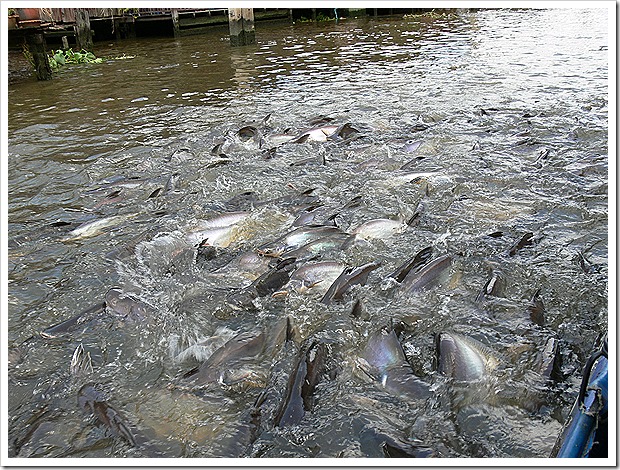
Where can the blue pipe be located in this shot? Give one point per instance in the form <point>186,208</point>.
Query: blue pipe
<point>578,437</point>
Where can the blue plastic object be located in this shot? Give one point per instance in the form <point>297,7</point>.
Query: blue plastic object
<point>585,434</point>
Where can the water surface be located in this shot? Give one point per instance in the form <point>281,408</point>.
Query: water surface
<point>511,109</point>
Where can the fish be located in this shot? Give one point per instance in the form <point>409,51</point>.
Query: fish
<point>494,287</point>
<point>172,183</point>
<point>225,219</point>
<point>297,238</point>
<point>412,145</point>
<point>536,309</point>
<point>406,177</point>
<point>548,360</point>
<point>428,275</point>
<point>393,447</point>
<point>420,258</point>
<point>128,249</point>
<point>383,360</point>
<point>94,402</point>
<point>73,322</point>
<point>81,362</point>
<point>221,237</point>
<point>181,155</point>
<point>316,276</point>
<point>128,307</point>
<point>114,196</point>
<point>275,140</point>
<point>49,230</point>
<point>218,150</point>
<point>323,133</point>
<point>248,132</point>
<point>309,215</point>
<point>95,227</point>
<point>242,202</point>
<point>316,248</point>
<point>349,277</point>
<point>379,228</point>
<point>266,284</point>
<point>221,366</point>
<point>286,355</point>
<point>525,240</point>
<point>586,266</point>
<point>396,448</point>
<point>294,202</point>
<point>463,358</point>
<point>301,385</point>
<point>317,134</point>
<point>218,231</point>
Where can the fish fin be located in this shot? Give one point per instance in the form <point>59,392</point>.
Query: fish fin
<point>81,362</point>
<point>292,334</point>
<point>301,139</point>
<point>413,219</point>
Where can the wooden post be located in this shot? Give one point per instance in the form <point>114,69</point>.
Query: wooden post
<point>175,22</point>
<point>65,43</point>
<point>37,47</point>
<point>314,14</point>
<point>83,35</point>
<point>241,24</point>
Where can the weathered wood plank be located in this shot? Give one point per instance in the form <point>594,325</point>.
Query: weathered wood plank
<point>241,24</point>
<point>83,35</point>
<point>37,47</point>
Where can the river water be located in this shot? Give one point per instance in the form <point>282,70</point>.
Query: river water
<point>487,125</point>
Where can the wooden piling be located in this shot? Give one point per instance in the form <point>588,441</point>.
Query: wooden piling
<point>83,34</point>
<point>65,43</point>
<point>37,47</point>
<point>175,22</point>
<point>241,24</point>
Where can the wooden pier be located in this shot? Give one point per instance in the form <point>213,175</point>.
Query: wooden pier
<point>122,23</point>
<point>80,28</point>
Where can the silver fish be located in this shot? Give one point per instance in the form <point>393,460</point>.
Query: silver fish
<point>348,278</point>
<point>316,276</point>
<point>130,308</point>
<point>95,227</point>
<point>464,358</point>
<point>297,238</point>
<point>427,276</point>
<point>384,360</point>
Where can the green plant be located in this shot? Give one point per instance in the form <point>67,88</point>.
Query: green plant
<point>12,11</point>
<point>28,54</point>
<point>60,58</point>
<point>321,17</point>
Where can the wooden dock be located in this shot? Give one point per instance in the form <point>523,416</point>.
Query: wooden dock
<point>34,28</point>
<point>123,23</point>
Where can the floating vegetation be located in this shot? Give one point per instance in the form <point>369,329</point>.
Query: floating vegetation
<point>61,58</point>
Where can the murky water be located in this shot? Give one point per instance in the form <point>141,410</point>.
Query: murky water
<point>510,108</point>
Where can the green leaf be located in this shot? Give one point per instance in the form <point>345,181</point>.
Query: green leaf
<point>59,58</point>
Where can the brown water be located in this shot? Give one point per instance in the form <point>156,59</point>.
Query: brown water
<point>514,140</point>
